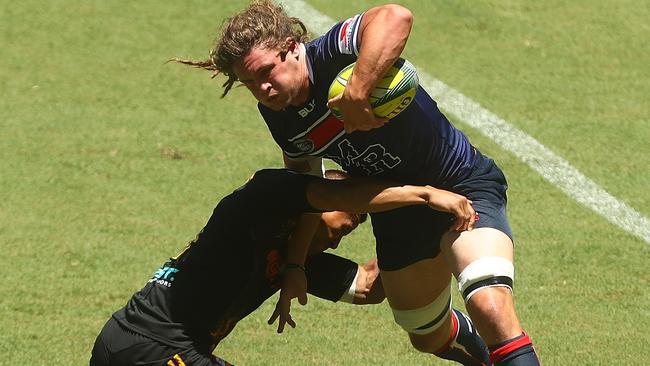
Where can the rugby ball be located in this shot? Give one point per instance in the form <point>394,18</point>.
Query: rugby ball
<point>393,93</point>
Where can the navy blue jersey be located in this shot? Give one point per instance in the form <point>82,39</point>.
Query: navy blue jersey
<point>419,146</point>
<point>232,266</point>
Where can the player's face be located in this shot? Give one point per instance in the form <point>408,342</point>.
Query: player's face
<point>333,227</point>
<point>277,79</point>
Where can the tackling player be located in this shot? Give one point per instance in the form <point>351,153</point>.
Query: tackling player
<point>268,52</point>
<point>239,258</point>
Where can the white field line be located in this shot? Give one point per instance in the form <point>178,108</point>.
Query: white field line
<point>549,165</point>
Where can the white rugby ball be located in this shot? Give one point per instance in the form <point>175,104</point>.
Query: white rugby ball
<point>393,93</point>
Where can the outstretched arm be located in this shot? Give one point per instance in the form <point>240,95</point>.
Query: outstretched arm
<point>361,195</point>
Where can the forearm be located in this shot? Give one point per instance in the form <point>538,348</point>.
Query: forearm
<point>363,195</point>
<point>384,33</point>
<point>298,245</point>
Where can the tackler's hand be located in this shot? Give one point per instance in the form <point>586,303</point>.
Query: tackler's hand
<point>294,285</point>
<point>456,204</point>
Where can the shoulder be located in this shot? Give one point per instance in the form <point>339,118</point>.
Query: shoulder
<point>277,189</point>
<point>271,177</point>
<point>335,49</point>
<point>341,38</point>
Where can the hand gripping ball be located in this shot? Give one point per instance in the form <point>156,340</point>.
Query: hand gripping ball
<point>393,93</point>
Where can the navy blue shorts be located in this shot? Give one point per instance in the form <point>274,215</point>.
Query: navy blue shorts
<point>410,234</point>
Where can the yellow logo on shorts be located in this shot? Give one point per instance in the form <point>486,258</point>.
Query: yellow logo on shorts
<point>176,361</point>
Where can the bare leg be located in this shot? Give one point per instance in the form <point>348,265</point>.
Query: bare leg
<point>421,291</point>
<point>416,286</point>
<point>491,308</point>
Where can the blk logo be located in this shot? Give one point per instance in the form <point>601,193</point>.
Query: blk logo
<point>305,111</point>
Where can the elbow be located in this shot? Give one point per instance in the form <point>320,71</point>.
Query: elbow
<point>400,14</point>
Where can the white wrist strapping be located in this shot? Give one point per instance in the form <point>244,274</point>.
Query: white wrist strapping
<point>348,296</point>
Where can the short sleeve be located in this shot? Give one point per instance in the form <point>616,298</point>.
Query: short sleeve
<point>276,190</point>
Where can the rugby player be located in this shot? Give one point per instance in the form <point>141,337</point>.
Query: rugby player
<point>268,52</point>
<point>239,258</point>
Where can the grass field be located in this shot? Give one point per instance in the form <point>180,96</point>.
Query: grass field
<point>111,160</point>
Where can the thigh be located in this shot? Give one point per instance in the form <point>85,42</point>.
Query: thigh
<point>416,285</point>
<point>461,249</point>
<point>491,308</point>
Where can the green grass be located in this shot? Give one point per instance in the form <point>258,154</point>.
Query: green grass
<point>112,160</point>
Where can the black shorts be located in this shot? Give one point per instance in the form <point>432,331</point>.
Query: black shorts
<point>329,277</point>
<point>118,346</point>
<point>410,234</point>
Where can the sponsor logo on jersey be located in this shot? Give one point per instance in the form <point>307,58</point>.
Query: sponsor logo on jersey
<point>164,276</point>
<point>304,145</point>
<point>346,34</point>
<point>305,111</point>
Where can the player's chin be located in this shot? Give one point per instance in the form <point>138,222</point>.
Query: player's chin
<point>335,244</point>
<point>318,246</point>
<point>276,104</point>
<point>273,107</point>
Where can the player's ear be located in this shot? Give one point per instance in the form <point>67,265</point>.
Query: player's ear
<point>291,46</point>
<point>290,49</point>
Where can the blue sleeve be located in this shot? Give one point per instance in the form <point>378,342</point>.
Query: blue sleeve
<point>336,49</point>
<point>342,39</point>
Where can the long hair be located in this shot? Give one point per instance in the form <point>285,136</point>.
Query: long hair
<point>263,24</point>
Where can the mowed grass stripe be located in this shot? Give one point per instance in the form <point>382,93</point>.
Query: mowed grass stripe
<point>549,165</point>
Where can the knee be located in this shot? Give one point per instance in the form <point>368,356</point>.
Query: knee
<point>491,304</point>
<point>486,286</point>
<point>436,339</point>
<point>428,343</point>
<point>492,311</point>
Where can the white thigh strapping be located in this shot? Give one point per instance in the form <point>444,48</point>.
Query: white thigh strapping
<point>425,319</point>
<point>486,272</point>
